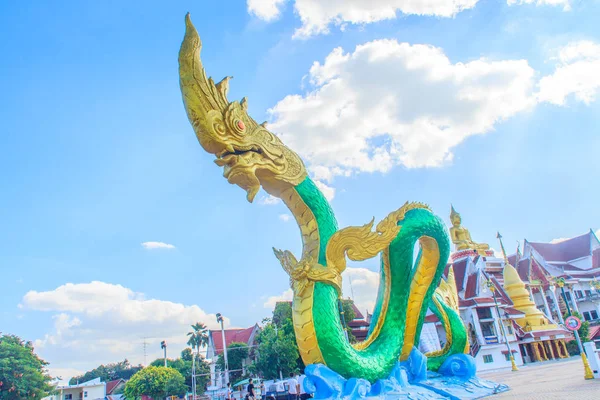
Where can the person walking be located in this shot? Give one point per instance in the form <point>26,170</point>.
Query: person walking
<point>229,391</point>
<point>263,391</point>
<point>293,387</point>
<point>250,390</point>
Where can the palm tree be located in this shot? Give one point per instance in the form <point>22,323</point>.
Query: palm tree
<point>198,336</point>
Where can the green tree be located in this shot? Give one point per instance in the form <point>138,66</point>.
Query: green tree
<point>22,372</point>
<point>198,337</point>
<point>184,366</point>
<point>236,354</point>
<point>277,351</point>
<point>349,315</point>
<point>108,372</point>
<point>156,382</point>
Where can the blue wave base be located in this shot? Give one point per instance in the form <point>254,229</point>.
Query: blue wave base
<point>456,379</point>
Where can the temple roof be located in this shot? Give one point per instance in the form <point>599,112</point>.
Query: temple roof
<point>566,250</point>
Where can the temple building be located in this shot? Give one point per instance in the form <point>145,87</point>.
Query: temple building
<point>494,303</point>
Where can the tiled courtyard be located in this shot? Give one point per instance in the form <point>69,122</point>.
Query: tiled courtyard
<point>550,380</point>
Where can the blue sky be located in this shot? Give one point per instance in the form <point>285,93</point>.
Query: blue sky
<point>97,155</point>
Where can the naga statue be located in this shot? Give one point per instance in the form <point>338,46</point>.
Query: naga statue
<point>252,157</point>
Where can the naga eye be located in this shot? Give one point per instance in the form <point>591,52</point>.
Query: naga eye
<point>240,125</point>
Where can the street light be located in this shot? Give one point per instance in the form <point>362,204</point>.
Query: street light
<point>586,366</point>
<point>492,288</point>
<point>163,345</point>
<point>220,320</point>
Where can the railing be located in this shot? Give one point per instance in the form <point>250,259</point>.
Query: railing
<point>474,349</point>
<point>491,339</point>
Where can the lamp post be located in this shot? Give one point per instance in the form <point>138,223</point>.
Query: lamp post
<point>163,345</point>
<point>220,320</point>
<point>492,288</point>
<point>586,366</point>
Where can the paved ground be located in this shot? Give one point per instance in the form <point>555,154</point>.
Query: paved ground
<point>549,380</point>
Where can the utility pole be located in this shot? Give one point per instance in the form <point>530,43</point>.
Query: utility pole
<point>220,320</point>
<point>588,374</point>
<point>492,287</point>
<point>145,344</point>
<point>163,345</point>
<point>193,375</point>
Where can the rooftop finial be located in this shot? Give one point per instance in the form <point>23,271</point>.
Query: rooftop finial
<point>499,236</point>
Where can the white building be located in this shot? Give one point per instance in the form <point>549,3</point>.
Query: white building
<point>90,390</point>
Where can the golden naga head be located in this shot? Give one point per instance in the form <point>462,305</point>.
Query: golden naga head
<point>250,154</point>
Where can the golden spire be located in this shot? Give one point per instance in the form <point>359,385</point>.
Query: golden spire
<point>514,287</point>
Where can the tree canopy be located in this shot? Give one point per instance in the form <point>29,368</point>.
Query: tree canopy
<point>184,366</point>
<point>236,354</point>
<point>156,382</point>
<point>108,372</point>
<point>22,372</point>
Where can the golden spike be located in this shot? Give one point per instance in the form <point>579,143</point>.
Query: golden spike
<point>223,86</point>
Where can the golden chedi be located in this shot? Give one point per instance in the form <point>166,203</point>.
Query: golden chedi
<point>461,237</point>
<point>514,287</point>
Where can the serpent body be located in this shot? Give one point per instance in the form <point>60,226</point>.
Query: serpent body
<point>252,158</point>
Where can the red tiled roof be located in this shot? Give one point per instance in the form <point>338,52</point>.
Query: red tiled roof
<point>566,250</point>
<point>471,290</point>
<point>358,314</point>
<point>523,269</point>
<point>231,336</point>
<point>553,332</point>
<point>594,332</point>
<point>431,318</point>
<point>110,386</point>
<point>513,312</point>
<point>459,273</point>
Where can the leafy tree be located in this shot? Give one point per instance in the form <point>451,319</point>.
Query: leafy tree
<point>198,337</point>
<point>108,372</point>
<point>236,354</point>
<point>349,315</point>
<point>156,382</point>
<point>184,366</point>
<point>22,372</point>
<point>277,351</point>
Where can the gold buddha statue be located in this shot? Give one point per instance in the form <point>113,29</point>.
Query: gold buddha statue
<point>462,238</point>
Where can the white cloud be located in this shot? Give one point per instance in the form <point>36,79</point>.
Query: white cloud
<point>390,103</point>
<point>497,253</point>
<point>157,245</point>
<point>558,240</point>
<point>577,74</point>
<point>285,296</point>
<point>364,284</point>
<point>267,10</point>
<point>318,15</point>
<point>285,217</point>
<point>99,322</point>
<point>269,200</point>
<point>566,4</point>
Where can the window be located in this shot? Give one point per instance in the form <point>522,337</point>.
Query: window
<point>487,358</point>
<point>68,397</point>
<point>590,315</point>
<point>509,329</point>
<point>588,292</point>
<point>487,329</point>
<point>579,294</point>
<point>568,295</point>
<point>484,313</point>
<point>507,357</point>
<point>84,394</point>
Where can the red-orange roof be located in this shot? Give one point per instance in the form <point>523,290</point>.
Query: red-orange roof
<point>110,386</point>
<point>231,336</point>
